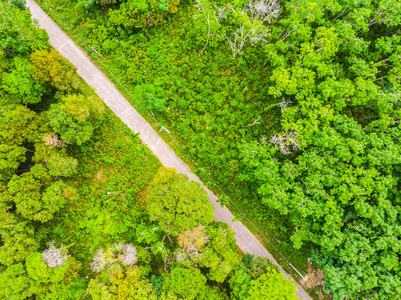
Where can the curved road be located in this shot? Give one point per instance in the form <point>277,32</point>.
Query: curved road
<point>123,109</point>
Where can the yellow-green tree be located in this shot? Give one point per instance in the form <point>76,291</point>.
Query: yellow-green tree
<point>177,204</point>
<point>273,286</point>
<point>183,283</point>
<point>50,67</point>
<point>121,284</point>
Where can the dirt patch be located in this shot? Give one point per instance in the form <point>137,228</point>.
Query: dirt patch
<point>99,180</point>
<point>143,195</point>
<point>99,174</point>
<point>69,192</point>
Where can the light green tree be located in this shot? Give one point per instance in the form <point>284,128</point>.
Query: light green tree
<point>177,204</point>
<point>21,281</point>
<point>212,247</point>
<point>247,272</point>
<point>219,253</point>
<point>32,201</point>
<point>184,283</point>
<point>15,283</point>
<point>60,164</point>
<point>18,240</point>
<point>120,284</point>
<point>69,130</point>
<point>20,125</point>
<point>20,83</point>
<point>74,118</point>
<point>272,286</point>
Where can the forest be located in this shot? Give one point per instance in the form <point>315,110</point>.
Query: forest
<point>291,106</point>
<point>86,210</point>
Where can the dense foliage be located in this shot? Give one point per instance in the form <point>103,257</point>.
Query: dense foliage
<point>86,212</point>
<point>339,186</point>
<point>297,101</point>
<point>178,204</point>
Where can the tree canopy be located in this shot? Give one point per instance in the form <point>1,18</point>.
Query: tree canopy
<point>289,108</point>
<point>177,204</point>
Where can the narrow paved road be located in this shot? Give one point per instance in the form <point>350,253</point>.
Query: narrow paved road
<point>121,107</point>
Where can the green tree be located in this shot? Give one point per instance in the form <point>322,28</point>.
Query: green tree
<point>184,283</point>
<point>152,96</point>
<point>20,83</point>
<point>333,76</point>
<point>11,156</point>
<point>137,14</point>
<point>75,117</point>
<point>32,201</point>
<point>240,282</point>
<point>259,266</point>
<point>19,239</point>
<point>341,195</point>
<point>212,247</point>
<point>51,67</point>
<point>176,203</point>
<point>127,283</point>
<point>273,286</point>
<point>18,35</point>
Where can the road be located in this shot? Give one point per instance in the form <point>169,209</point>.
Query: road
<point>246,241</point>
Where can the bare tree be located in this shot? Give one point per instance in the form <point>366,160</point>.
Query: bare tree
<point>263,10</point>
<point>114,256</point>
<point>55,257</point>
<point>128,255</point>
<point>238,41</point>
<point>251,27</point>
<point>222,12</point>
<point>254,30</point>
<point>283,104</point>
<point>191,240</point>
<point>314,278</point>
<point>103,259</point>
<point>255,122</point>
<point>208,33</point>
<point>286,142</point>
<point>53,141</point>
